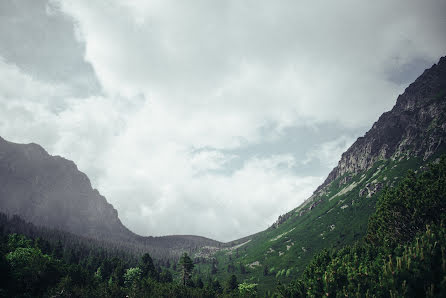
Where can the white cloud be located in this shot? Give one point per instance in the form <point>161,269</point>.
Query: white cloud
<point>329,153</point>
<point>175,201</point>
<point>207,160</point>
<point>267,61</point>
<point>185,83</point>
<point>159,184</point>
<point>18,86</point>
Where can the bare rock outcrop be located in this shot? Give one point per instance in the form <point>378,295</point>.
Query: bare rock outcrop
<point>416,126</point>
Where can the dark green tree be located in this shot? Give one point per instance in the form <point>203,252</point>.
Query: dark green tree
<point>232,283</point>
<point>166,276</point>
<point>58,250</point>
<point>265,270</point>
<point>404,211</point>
<point>186,268</point>
<point>242,268</point>
<point>200,283</point>
<point>32,271</point>
<point>147,267</point>
<point>216,286</point>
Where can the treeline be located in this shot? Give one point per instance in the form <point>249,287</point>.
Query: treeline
<point>37,268</point>
<point>71,247</point>
<point>402,255</point>
<point>41,262</point>
<point>165,250</point>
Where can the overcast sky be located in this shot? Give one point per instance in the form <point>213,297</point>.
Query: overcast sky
<point>207,117</point>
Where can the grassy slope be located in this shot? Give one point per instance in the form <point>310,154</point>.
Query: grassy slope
<point>307,234</point>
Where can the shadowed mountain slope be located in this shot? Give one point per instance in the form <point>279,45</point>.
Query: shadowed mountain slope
<point>50,191</point>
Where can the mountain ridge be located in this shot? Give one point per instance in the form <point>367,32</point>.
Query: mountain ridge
<point>50,191</point>
<point>393,135</point>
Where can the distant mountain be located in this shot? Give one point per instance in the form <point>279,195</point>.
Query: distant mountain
<point>406,138</point>
<point>50,191</point>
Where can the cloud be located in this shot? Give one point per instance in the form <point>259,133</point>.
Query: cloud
<point>159,185</point>
<point>39,39</point>
<point>43,112</point>
<point>329,153</point>
<point>277,62</point>
<point>189,90</point>
<point>220,206</point>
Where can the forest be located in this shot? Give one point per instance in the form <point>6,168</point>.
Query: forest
<point>402,255</point>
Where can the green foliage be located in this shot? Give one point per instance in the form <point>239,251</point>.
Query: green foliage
<point>232,283</point>
<point>200,283</point>
<point>147,267</point>
<point>216,287</point>
<point>84,271</point>
<point>186,269</point>
<point>247,289</point>
<point>16,241</point>
<point>399,258</point>
<point>132,276</point>
<point>416,269</point>
<point>404,211</point>
<point>31,270</point>
<point>166,276</point>
<point>27,272</point>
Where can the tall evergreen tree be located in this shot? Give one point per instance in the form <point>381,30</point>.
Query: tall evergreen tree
<point>232,283</point>
<point>186,268</point>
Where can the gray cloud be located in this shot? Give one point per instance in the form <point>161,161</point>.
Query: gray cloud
<point>43,43</point>
<point>209,117</point>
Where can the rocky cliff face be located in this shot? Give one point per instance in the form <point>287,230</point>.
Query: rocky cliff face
<point>50,191</point>
<point>416,126</point>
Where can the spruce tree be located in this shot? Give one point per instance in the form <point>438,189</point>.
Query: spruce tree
<point>186,268</point>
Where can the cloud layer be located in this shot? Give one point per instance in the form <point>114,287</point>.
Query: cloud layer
<point>212,117</point>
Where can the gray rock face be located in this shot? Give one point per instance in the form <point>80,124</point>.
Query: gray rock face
<point>416,126</point>
<point>50,191</point>
<point>370,189</point>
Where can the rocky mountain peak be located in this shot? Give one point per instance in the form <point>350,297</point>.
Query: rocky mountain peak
<point>416,126</point>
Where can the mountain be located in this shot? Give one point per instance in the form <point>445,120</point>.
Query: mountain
<point>406,138</point>
<point>414,127</point>
<point>50,191</point>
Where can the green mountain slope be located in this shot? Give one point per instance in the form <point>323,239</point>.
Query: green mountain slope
<point>409,136</point>
<point>403,254</point>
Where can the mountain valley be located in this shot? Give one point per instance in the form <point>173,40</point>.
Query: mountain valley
<point>49,191</point>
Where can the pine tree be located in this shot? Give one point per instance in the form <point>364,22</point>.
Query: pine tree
<point>147,267</point>
<point>186,267</point>
<point>232,283</point>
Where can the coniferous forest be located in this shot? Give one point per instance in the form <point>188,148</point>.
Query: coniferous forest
<point>402,255</point>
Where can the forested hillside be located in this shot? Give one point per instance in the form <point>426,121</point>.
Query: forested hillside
<point>403,253</point>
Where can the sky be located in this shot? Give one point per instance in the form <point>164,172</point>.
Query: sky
<point>207,117</point>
